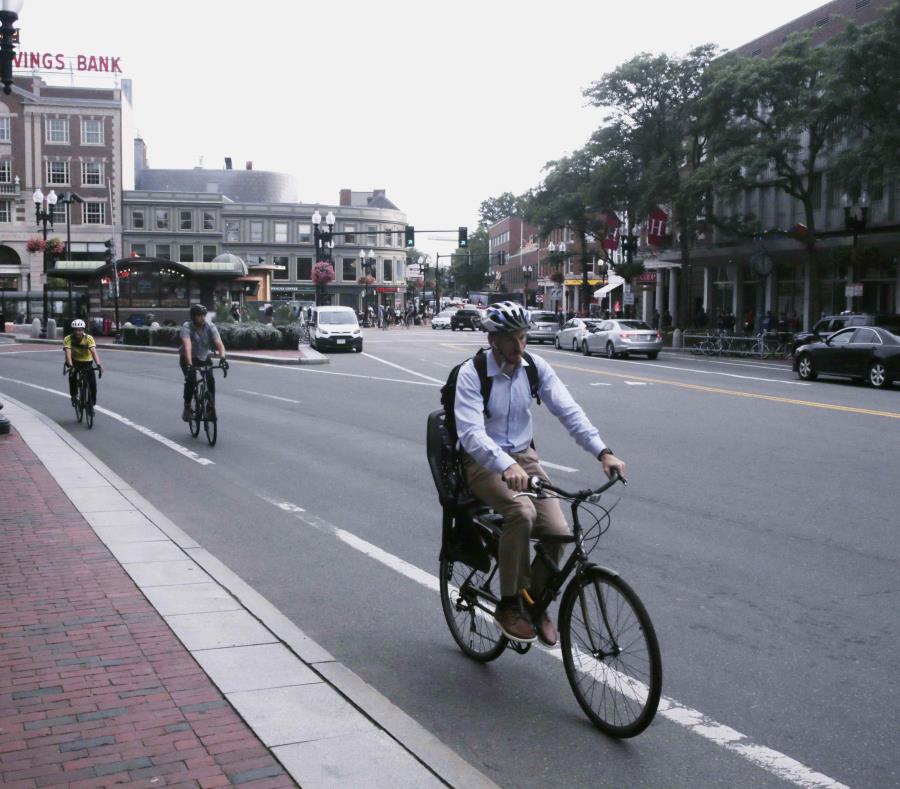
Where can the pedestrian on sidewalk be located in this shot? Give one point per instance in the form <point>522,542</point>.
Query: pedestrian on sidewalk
<point>81,354</point>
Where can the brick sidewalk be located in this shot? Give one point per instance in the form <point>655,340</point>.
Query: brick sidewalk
<point>95,690</point>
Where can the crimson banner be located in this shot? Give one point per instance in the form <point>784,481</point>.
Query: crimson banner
<point>613,229</point>
<point>657,228</point>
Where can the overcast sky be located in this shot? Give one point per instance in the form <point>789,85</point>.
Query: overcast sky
<point>442,104</point>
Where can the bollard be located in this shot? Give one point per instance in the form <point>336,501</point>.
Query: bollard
<point>51,329</point>
<point>677,339</point>
<point>36,329</point>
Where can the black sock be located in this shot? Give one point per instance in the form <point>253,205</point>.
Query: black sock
<point>509,601</point>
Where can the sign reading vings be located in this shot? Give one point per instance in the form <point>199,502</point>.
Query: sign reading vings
<point>48,61</point>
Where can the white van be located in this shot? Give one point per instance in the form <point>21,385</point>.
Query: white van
<point>334,327</point>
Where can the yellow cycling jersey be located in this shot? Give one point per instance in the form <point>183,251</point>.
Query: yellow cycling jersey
<point>81,352</point>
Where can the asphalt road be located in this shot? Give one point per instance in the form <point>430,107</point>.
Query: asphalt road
<point>759,528</point>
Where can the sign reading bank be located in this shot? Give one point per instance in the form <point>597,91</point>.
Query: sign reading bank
<point>49,61</point>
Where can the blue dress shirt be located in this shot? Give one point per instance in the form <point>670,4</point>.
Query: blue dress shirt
<point>492,441</point>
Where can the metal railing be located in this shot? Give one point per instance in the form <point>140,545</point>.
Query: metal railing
<point>765,345</point>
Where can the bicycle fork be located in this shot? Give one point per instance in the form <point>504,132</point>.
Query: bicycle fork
<point>596,650</point>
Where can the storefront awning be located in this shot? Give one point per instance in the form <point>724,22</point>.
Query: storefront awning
<point>230,266</point>
<point>615,281</point>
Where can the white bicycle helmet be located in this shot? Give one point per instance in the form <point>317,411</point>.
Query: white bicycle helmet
<point>506,316</point>
<point>77,324</point>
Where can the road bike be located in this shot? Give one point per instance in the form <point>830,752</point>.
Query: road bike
<point>609,646</point>
<point>84,405</point>
<point>203,406</point>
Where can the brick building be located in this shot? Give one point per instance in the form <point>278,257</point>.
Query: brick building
<point>66,140</point>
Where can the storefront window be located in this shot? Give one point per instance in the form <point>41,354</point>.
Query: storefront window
<point>304,268</point>
<point>349,270</point>
<point>388,273</point>
<point>146,288</point>
<point>173,286</point>
<point>281,260</point>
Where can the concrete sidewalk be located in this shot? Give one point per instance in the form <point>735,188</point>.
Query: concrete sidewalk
<point>94,683</point>
<point>304,355</point>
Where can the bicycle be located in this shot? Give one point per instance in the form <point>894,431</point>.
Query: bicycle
<point>605,630</point>
<point>84,405</point>
<point>203,406</point>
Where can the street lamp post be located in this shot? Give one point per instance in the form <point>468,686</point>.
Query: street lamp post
<point>9,14</point>
<point>324,245</point>
<point>855,224</point>
<point>368,265</point>
<point>43,212</point>
<point>69,198</point>
<point>527,276</point>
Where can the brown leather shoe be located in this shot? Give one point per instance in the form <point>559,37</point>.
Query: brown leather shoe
<point>546,630</point>
<point>514,624</point>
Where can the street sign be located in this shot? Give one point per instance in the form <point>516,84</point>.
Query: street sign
<point>413,271</point>
<point>854,290</point>
<point>628,299</point>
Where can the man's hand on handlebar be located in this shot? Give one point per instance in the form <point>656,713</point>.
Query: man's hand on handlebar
<point>612,465</point>
<point>516,478</point>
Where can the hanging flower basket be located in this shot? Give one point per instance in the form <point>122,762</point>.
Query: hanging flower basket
<point>36,244</point>
<point>322,273</point>
<point>558,277</point>
<point>367,280</point>
<point>55,246</point>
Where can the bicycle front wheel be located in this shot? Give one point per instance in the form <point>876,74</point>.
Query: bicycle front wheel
<point>196,414</point>
<point>467,598</point>
<point>610,653</point>
<point>89,416</point>
<point>210,422</point>
<point>80,399</point>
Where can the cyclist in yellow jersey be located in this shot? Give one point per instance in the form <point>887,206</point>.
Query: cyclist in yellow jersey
<point>81,351</point>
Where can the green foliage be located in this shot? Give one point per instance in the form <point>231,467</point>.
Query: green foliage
<point>282,315</point>
<point>471,266</point>
<point>162,337</point>
<point>249,336</point>
<point>223,312</point>
<point>496,208</point>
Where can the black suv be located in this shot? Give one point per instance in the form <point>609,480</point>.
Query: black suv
<point>465,319</point>
<point>828,325</point>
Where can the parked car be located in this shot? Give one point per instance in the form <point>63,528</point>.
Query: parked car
<point>544,326</point>
<point>334,327</point>
<point>574,331</point>
<point>466,318</point>
<point>622,338</point>
<point>442,319</point>
<point>866,353</point>
<point>830,324</point>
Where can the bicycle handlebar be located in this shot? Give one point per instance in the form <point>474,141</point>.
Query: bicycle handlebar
<point>538,485</point>
<point>222,365</point>
<point>66,369</point>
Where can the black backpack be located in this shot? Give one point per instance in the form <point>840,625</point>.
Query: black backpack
<point>442,440</point>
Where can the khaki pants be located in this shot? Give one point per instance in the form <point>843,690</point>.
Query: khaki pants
<point>523,517</point>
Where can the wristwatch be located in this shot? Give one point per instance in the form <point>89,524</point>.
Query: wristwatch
<point>604,451</point>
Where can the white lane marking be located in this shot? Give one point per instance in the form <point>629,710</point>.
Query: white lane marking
<point>773,761</point>
<point>548,464</point>
<point>660,366</point>
<point>188,453</point>
<point>635,383</point>
<point>292,369</point>
<point>598,383</point>
<point>404,369</point>
<point>270,396</point>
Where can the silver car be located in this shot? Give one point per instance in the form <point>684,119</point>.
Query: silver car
<point>574,331</point>
<point>442,319</point>
<point>544,326</point>
<point>622,338</point>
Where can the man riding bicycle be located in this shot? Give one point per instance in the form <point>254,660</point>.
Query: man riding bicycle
<point>81,353</point>
<point>198,338</point>
<point>500,457</point>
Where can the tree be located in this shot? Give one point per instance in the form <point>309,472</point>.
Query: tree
<point>779,119</point>
<point>656,140</point>
<point>564,201</point>
<point>471,266</point>
<point>496,208</point>
<point>867,60</point>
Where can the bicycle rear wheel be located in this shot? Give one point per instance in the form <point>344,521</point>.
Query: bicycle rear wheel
<point>469,614</point>
<point>610,653</point>
<point>210,421</point>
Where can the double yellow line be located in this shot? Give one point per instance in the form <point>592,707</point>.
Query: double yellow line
<point>734,392</point>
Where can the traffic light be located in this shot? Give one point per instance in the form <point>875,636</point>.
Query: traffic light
<point>410,236</point>
<point>110,251</point>
<point>463,240</point>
